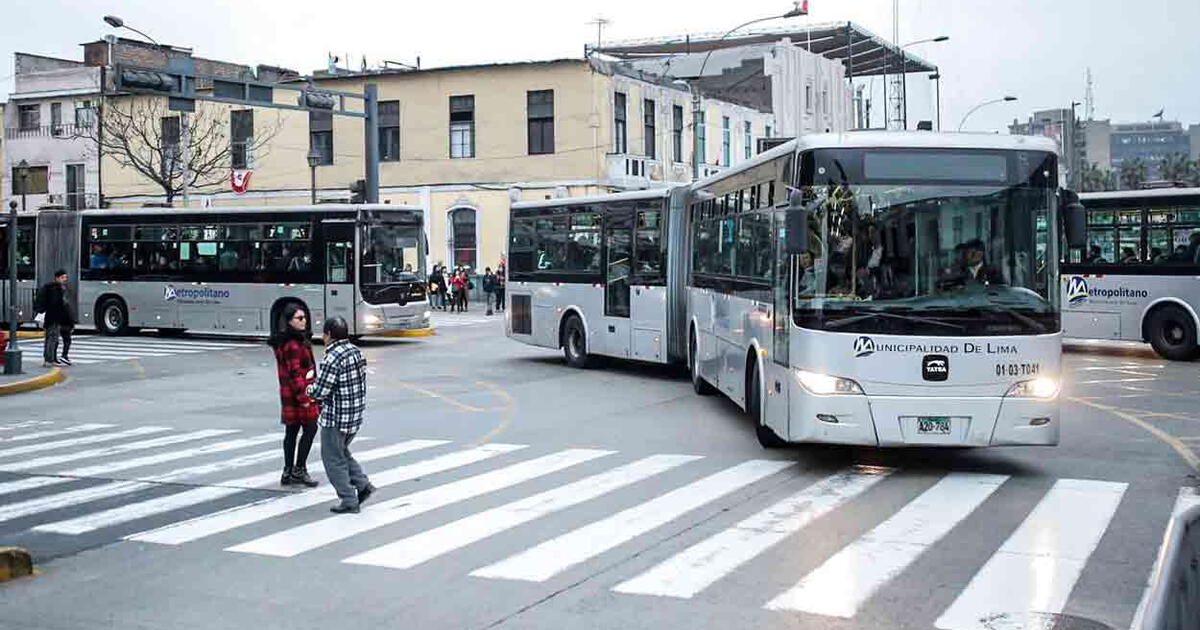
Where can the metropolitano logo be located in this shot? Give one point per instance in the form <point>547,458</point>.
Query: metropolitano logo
<point>864,346</point>
<point>169,293</point>
<point>1077,290</point>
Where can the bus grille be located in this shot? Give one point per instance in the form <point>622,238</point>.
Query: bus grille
<point>522,315</point>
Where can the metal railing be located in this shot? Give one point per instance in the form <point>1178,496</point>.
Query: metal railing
<point>74,200</point>
<point>47,131</point>
<point>1173,602</point>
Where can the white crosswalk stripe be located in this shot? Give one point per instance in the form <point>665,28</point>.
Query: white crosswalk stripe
<point>174,487</point>
<point>453,320</point>
<point>87,350</point>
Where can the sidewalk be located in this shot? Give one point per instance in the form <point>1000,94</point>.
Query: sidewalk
<point>34,377</point>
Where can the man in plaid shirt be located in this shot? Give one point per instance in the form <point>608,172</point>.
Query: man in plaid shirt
<point>341,388</point>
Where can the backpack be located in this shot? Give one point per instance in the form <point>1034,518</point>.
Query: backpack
<point>39,301</point>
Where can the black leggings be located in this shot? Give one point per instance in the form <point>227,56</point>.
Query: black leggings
<point>66,340</point>
<point>291,457</point>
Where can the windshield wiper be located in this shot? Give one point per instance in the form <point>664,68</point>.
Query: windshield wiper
<point>846,321</point>
<point>1020,317</point>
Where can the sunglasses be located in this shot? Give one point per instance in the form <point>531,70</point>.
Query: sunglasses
<point>299,317</point>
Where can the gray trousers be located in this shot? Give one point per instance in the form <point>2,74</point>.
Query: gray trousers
<point>344,473</point>
<point>50,350</point>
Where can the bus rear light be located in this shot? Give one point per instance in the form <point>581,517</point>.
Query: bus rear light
<point>828,418</point>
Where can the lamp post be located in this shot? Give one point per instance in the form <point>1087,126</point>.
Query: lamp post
<point>904,71</point>
<point>937,78</point>
<point>800,8</point>
<point>314,158</point>
<point>1006,99</point>
<point>12,355</point>
<point>184,132</point>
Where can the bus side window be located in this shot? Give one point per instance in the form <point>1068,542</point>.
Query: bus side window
<point>648,247</point>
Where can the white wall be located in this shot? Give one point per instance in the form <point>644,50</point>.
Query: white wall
<point>792,69</point>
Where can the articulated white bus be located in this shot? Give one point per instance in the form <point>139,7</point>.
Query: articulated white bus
<point>1138,279</point>
<point>870,288</point>
<point>230,270</point>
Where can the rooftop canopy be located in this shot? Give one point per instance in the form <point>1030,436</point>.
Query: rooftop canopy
<point>862,52</point>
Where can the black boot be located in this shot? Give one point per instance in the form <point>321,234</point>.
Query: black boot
<point>300,476</point>
<point>286,479</point>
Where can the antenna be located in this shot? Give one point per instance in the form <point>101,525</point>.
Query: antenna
<point>1089,99</point>
<point>600,23</point>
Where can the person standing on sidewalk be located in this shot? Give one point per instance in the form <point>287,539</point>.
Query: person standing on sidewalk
<point>501,283</point>
<point>295,365</point>
<point>459,299</point>
<point>436,282</point>
<point>341,388</point>
<point>489,287</point>
<point>52,300</point>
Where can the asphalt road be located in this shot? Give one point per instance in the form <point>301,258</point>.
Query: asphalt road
<point>518,493</point>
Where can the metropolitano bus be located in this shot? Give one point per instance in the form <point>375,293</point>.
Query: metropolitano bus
<point>1138,278</point>
<point>229,270</point>
<point>875,288</point>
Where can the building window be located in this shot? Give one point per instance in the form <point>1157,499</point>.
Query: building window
<point>29,117</point>
<point>808,100</point>
<point>701,139</point>
<point>462,235</point>
<point>85,114</point>
<point>241,138</point>
<point>677,132</point>
<point>38,183</point>
<point>726,142</point>
<point>389,131</point>
<point>539,105</point>
<point>620,137</point>
<point>170,136</point>
<point>462,126</point>
<point>749,141</point>
<point>768,134</point>
<point>320,135</point>
<point>56,119</point>
<point>650,137</point>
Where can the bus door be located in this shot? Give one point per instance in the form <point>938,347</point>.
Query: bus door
<point>648,305</point>
<point>618,257</point>
<point>776,369</point>
<point>338,237</point>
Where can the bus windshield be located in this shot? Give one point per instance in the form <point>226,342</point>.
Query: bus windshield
<point>392,254</point>
<point>927,244</point>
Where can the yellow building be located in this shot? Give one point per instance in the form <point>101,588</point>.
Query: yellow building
<point>463,142</point>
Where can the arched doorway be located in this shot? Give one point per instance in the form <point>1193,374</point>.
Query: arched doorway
<point>463,238</point>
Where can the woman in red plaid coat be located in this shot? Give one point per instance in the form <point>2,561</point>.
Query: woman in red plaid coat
<point>296,368</point>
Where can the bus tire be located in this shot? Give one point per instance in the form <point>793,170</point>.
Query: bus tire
<point>574,343</point>
<point>1172,333</point>
<point>766,435</point>
<point>112,317</point>
<point>699,385</point>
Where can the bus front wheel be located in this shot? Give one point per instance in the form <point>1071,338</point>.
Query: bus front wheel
<point>699,385</point>
<point>1173,333</point>
<point>766,435</point>
<point>574,344</point>
<point>113,317</point>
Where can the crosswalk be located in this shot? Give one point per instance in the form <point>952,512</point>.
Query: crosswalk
<point>162,486</point>
<point>456,320</point>
<point>89,349</point>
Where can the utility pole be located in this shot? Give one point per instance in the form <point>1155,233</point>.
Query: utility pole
<point>371,108</point>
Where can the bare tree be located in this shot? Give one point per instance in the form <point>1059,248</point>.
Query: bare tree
<point>144,135</point>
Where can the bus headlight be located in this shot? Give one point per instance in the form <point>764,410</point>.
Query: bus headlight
<point>372,320</point>
<point>1043,387</point>
<point>824,384</point>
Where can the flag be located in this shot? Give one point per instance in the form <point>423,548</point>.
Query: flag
<point>239,180</point>
<point>802,7</point>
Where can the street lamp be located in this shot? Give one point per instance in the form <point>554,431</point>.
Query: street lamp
<point>937,77</point>
<point>184,133</point>
<point>12,355</point>
<point>800,8</point>
<point>1006,99</point>
<point>904,69</point>
<point>314,158</point>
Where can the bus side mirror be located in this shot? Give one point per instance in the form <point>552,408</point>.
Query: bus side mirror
<point>1074,219</point>
<point>796,226</point>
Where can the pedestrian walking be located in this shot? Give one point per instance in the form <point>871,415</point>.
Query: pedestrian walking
<point>501,285</point>
<point>67,327</point>
<point>489,287</point>
<point>341,388</point>
<point>296,369</point>
<point>51,300</point>
<point>436,280</point>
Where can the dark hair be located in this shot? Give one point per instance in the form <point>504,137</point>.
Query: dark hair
<point>974,244</point>
<point>284,331</point>
<point>336,328</point>
<point>60,272</point>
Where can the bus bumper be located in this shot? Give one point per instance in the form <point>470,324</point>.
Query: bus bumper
<point>897,421</point>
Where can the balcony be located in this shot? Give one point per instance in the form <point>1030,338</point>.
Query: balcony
<point>65,131</point>
<point>74,201</point>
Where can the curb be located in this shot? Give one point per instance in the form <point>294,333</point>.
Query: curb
<point>15,562</point>
<point>49,379</point>
<point>31,334</point>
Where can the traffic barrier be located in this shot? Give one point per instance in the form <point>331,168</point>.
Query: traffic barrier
<point>1174,599</point>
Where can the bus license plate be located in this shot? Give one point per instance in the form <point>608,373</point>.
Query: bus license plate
<point>935,425</point>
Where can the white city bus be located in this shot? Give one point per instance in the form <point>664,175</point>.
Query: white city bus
<point>232,270</point>
<point>871,288</point>
<point>1138,279</point>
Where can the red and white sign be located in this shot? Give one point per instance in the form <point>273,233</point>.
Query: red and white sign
<point>240,180</point>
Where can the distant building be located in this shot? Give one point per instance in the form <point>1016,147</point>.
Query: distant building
<point>1061,126</point>
<point>1112,144</point>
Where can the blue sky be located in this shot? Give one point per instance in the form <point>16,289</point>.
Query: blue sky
<point>1142,54</point>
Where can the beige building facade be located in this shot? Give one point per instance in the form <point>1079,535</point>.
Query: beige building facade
<point>462,143</point>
